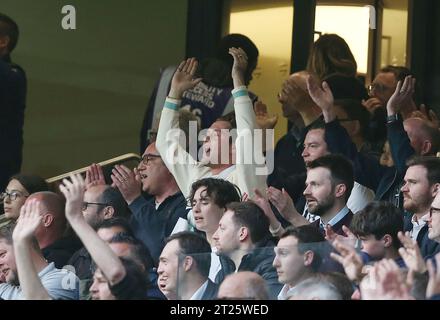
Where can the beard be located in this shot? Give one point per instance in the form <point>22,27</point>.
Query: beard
<point>322,206</point>
<point>416,206</point>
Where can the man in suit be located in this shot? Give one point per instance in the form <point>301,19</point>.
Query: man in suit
<point>184,268</point>
<point>328,186</point>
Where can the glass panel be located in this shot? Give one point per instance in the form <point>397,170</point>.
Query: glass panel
<point>269,24</point>
<point>350,23</point>
<point>394,33</point>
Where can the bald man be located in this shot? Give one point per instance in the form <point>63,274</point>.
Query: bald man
<point>303,113</point>
<point>243,285</point>
<point>50,233</point>
<point>101,202</point>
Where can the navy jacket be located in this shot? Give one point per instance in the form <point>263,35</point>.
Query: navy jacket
<point>259,261</point>
<point>428,248</point>
<point>13,85</point>
<point>211,291</point>
<point>152,226</point>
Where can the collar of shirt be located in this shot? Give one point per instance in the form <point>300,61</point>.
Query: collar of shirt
<point>199,293</point>
<point>338,217</point>
<point>417,222</point>
<point>285,292</point>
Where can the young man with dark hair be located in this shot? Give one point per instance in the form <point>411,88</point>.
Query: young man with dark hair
<point>13,85</point>
<point>328,186</point>
<point>244,243</point>
<point>208,199</point>
<point>377,227</point>
<point>297,257</point>
<point>421,184</point>
<point>184,268</point>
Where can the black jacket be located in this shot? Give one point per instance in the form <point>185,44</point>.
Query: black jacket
<point>211,291</point>
<point>259,261</point>
<point>13,86</point>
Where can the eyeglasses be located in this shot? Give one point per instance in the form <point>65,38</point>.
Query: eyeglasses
<point>86,204</point>
<point>148,157</point>
<point>13,195</point>
<point>433,209</point>
<point>377,87</point>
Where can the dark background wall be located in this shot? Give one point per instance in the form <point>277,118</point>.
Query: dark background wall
<point>88,88</point>
<point>425,45</point>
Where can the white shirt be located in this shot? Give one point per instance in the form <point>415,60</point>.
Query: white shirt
<point>199,293</point>
<point>338,217</point>
<point>215,264</point>
<point>285,292</point>
<point>418,224</point>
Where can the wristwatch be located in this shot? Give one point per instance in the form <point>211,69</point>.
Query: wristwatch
<point>395,117</point>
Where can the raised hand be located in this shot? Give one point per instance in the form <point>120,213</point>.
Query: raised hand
<point>127,181</point>
<point>282,201</point>
<point>73,191</point>
<point>402,96</point>
<point>284,204</point>
<point>94,176</point>
<point>239,66</point>
<point>183,78</point>
<point>28,221</point>
<point>322,96</point>
<point>410,253</point>
<point>264,121</point>
<point>263,203</point>
<point>349,259</point>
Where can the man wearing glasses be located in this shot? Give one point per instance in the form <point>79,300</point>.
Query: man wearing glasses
<point>383,86</point>
<point>434,219</point>
<point>155,218</point>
